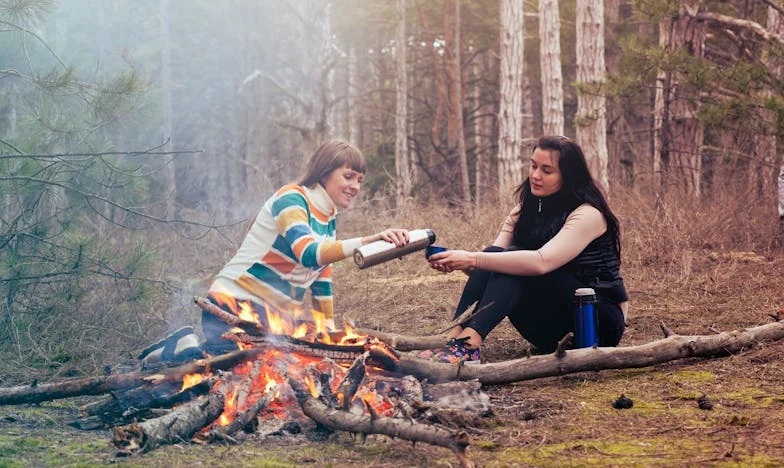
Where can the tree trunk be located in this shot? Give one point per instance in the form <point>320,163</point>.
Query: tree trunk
<point>510,112</point>
<point>550,63</point>
<point>354,125</point>
<point>402,169</point>
<point>455,135</point>
<point>483,130</point>
<point>765,150</point>
<point>591,119</point>
<point>593,359</point>
<point>169,178</point>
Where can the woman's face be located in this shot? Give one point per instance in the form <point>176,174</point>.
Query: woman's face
<point>342,185</point>
<point>544,174</point>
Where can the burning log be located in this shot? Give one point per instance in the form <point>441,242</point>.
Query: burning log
<point>405,342</point>
<point>670,348</point>
<point>252,328</point>
<point>181,424</point>
<point>350,384</point>
<point>345,421</point>
<point>125,406</point>
<point>243,418</point>
<point>104,384</point>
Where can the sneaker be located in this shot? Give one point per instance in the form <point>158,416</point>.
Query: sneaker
<point>428,353</point>
<point>455,352</point>
<point>180,346</point>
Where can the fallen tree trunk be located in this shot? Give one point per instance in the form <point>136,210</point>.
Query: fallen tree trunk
<point>100,385</point>
<point>593,359</point>
<point>179,425</point>
<point>400,428</point>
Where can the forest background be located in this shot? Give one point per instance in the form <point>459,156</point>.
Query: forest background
<point>137,139</point>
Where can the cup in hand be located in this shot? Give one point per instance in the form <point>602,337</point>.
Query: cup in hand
<point>433,249</point>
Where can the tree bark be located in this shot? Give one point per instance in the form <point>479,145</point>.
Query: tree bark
<point>405,342</point>
<point>455,135</point>
<point>593,359</point>
<point>99,385</point>
<point>402,169</point>
<point>550,63</point>
<point>179,425</point>
<point>510,112</point>
<point>591,119</point>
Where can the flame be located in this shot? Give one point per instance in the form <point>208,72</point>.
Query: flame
<point>189,380</point>
<point>246,312</point>
<point>301,331</point>
<point>229,409</point>
<point>311,386</point>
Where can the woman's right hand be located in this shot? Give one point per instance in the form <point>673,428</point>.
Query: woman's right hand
<point>399,237</point>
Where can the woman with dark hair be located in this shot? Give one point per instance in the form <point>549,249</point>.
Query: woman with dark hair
<point>288,250</point>
<point>560,237</point>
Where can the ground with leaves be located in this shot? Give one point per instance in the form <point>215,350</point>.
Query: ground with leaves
<point>693,280</point>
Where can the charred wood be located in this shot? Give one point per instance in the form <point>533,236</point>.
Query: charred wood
<point>242,418</point>
<point>179,425</point>
<point>457,441</point>
<point>123,407</point>
<point>99,385</point>
<point>350,384</point>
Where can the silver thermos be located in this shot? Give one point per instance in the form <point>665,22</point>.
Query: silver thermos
<point>382,251</point>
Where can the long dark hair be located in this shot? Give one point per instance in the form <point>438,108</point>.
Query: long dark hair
<point>578,185</point>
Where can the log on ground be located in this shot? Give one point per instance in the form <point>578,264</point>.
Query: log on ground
<point>178,426</point>
<point>593,359</point>
<point>99,385</point>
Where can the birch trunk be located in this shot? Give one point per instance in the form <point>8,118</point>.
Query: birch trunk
<point>550,63</point>
<point>455,135</point>
<point>510,112</point>
<point>354,126</point>
<point>402,169</point>
<point>591,119</point>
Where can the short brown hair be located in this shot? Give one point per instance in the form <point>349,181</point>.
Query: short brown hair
<point>329,156</point>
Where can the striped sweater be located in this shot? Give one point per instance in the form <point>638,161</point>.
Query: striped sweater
<point>288,249</point>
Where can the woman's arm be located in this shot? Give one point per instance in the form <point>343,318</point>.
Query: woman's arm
<point>583,225</point>
<point>506,234</point>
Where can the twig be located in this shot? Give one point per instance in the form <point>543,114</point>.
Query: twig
<point>465,316</point>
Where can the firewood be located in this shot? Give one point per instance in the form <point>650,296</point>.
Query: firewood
<point>350,383</point>
<point>179,425</point>
<point>99,385</point>
<point>242,418</point>
<point>122,407</point>
<point>247,384</point>
<point>457,441</point>
<point>252,328</point>
<point>405,342</point>
<point>592,359</point>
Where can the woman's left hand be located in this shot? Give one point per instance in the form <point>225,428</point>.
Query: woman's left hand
<point>399,237</point>
<point>453,260</point>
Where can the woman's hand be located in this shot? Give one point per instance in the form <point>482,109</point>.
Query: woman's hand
<point>399,237</point>
<point>453,260</point>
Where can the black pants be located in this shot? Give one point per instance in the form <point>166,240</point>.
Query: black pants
<point>541,308</point>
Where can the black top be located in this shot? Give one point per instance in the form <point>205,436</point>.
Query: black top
<point>598,266</point>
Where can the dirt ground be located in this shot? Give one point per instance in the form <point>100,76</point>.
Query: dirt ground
<point>558,421</point>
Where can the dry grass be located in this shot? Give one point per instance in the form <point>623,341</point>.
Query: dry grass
<point>694,266</point>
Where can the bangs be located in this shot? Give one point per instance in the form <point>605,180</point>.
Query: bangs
<point>353,158</point>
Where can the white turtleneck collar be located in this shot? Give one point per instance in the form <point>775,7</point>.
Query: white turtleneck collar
<point>321,199</point>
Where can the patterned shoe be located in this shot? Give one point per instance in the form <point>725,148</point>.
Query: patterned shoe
<point>428,353</point>
<point>455,351</point>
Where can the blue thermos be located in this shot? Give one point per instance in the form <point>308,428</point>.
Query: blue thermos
<point>585,318</point>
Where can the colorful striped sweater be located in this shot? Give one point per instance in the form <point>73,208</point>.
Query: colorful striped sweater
<point>288,249</point>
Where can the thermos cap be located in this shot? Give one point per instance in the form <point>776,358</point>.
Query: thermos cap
<point>584,292</point>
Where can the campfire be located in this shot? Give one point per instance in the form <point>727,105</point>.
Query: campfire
<point>284,375</point>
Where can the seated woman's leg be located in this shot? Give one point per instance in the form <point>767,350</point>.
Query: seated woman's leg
<point>546,311</point>
<point>475,286</point>
<point>610,323</point>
